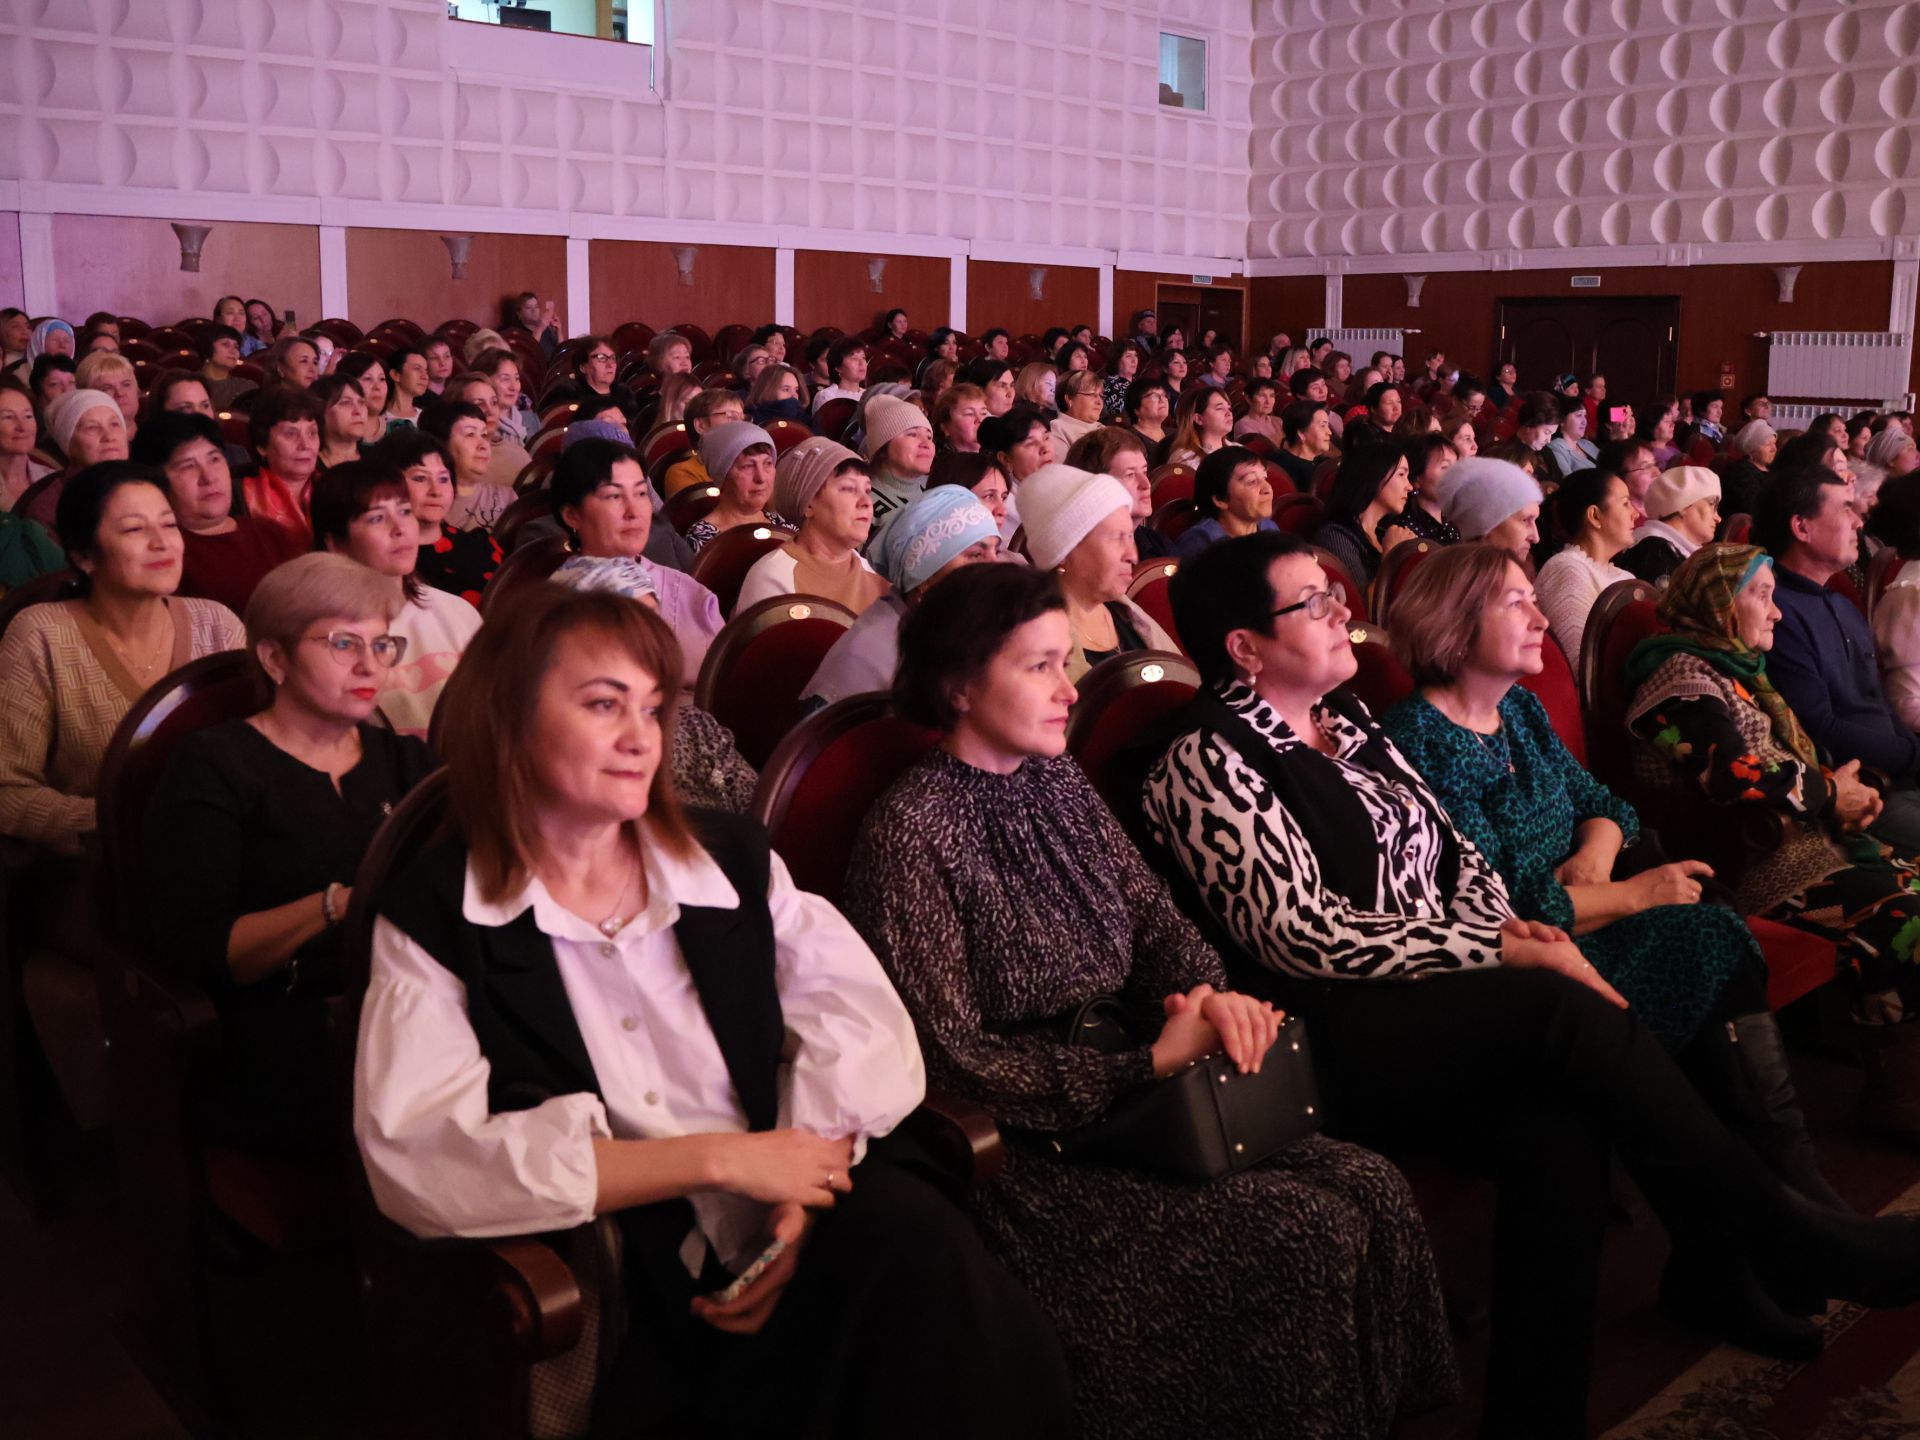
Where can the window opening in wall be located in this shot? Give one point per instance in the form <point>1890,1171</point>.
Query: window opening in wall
<point>627,20</point>
<point>1183,72</point>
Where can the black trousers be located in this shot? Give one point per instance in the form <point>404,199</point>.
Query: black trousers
<point>1529,1079</point>
<point>897,1322</point>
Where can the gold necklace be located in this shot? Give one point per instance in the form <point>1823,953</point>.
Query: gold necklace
<point>141,672</point>
<point>616,922</point>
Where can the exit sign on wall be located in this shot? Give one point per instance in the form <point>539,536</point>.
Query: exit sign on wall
<point>1203,279</point>
<point>1586,282</point>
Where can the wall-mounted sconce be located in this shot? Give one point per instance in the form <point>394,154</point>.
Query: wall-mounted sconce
<point>683,258</point>
<point>1786,276</point>
<point>193,239</point>
<point>1037,282</point>
<point>1415,284</point>
<point>459,250</point>
<point>876,271</point>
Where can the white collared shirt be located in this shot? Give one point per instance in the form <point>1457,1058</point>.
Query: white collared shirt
<point>442,1164</point>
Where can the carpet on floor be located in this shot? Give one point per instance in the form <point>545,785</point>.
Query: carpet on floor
<point>1864,1386</point>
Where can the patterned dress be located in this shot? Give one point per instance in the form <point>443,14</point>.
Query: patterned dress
<point>1519,795</point>
<point>461,562</point>
<point>1701,733</point>
<point>1295,1299</point>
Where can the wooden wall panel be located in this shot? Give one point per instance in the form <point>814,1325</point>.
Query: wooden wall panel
<point>1721,308</point>
<point>1001,293</point>
<point>132,267</point>
<point>831,287</point>
<point>637,280</point>
<point>1295,304</point>
<point>406,273</point>
<point>1140,290</point>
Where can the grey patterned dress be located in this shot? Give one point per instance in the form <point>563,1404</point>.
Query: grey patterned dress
<point>1295,1299</point>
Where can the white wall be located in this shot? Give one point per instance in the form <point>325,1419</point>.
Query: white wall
<point>1017,131</point>
<point>1436,134</point>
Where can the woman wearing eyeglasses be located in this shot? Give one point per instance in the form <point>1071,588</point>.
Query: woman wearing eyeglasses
<point>257,827</point>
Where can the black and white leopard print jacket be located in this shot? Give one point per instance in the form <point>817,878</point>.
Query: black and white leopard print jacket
<point>1251,860</point>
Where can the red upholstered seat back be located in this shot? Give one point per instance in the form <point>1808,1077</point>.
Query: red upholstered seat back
<point>1621,618</point>
<point>832,418</point>
<point>529,565</point>
<point>757,666</point>
<point>1381,681</point>
<point>1152,591</point>
<point>1298,514</point>
<point>1391,577</point>
<point>823,778</point>
<point>1170,483</point>
<point>1841,583</point>
<point>665,441</point>
<point>200,693</point>
<point>1337,575</point>
<point>786,434</point>
<point>688,506</point>
<point>1557,690</point>
<point>723,564</point>
<point>1119,699</point>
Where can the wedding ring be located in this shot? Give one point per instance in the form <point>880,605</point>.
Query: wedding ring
<point>830,1179</point>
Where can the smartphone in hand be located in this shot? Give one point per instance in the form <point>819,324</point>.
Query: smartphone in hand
<point>744,1280</point>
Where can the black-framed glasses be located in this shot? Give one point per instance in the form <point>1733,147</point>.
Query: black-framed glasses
<point>1318,605</point>
<point>347,647</point>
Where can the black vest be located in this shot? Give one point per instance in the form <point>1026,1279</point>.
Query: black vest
<point>518,1006</point>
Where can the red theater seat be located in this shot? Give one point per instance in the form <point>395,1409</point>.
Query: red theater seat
<point>1120,698</point>
<point>757,666</point>
<point>723,564</point>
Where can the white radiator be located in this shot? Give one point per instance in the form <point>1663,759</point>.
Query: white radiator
<point>1859,365</point>
<point>1361,344</point>
<point>1799,414</point>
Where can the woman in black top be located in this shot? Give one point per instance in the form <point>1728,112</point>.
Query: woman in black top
<point>461,562</point>
<point>256,829</point>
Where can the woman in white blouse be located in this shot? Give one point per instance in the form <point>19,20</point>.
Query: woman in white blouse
<point>1596,510</point>
<point>590,1002</point>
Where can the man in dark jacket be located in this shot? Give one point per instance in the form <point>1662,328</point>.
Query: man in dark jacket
<point>1823,659</point>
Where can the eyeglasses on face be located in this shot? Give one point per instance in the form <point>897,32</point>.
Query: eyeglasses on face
<point>347,648</point>
<point>1318,605</point>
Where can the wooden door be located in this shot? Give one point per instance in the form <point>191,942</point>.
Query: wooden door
<point>1198,308</point>
<point>1632,340</point>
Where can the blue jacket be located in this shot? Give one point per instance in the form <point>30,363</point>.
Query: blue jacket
<point>1823,662</point>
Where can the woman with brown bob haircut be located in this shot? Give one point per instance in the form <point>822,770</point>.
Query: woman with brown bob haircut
<point>588,1002</point>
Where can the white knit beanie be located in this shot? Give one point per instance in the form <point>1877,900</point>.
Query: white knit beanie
<point>1059,506</point>
<point>1485,491</point>
<point>64,412</point>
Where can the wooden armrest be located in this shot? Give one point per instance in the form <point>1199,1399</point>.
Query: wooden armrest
<point>541,1293</point>
<point>965,1134</point>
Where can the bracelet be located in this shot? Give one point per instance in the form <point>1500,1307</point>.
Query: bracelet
<point>329,911</point>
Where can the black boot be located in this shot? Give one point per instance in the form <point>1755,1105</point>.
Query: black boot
<point>1740,1068</point>
<point>1707,1289</point>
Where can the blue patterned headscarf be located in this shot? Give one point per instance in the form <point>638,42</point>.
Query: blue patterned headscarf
<point>933,528</point>
<point>37,346</point>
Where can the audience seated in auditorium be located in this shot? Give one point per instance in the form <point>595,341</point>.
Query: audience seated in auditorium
<point>406,370</point>
<point>1364,512</point>
<point>1430,462</point>
<point>1306,438</point>
<point>889,1274</point>
<point>599,363</point>
<point>363,510</point>
<point>51,377</point>
<point>365,370</point>
<point>1122,454</point>
<point>1823,660</point>
<point>460,562</point>
<point>1683,513</point>
<point>16,333</point>
<point>899,446</point>
<point>980,473</point>
<point>1469,632</point>
<point>19,434</point>
<point>1123,366</point>
<point>602,497</point>
<point>1234,497</point>
<point>1594,511</point>
<point>510,457</point>
<point>465,430</point>
<point>778,394</point>
<point>284,425</point>
<point>1262,397</point>
<point>1710,722</point>
<point>293,362</point>
<point>49,337</point>
<point>1080,524</point>
<point>1496,501</point>
<point>515,414</point>
<point>226,550</point>
<point>934,535</point>
<point>1201,423</point>
<point>994,376</point>
<point>977,882</point>
<point>741,458</point>
<point>1147,410</point>
<point>826,489</point>
<point>1325,866</point>
<point>1038,385</point>
<point>254,833</point>
<point>1384,411</point>
<point>262,328</point>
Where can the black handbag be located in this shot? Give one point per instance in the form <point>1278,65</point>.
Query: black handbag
<point>1208,1120</point>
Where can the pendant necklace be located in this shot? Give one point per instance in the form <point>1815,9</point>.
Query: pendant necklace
<point>1492,753</point>
<point>616,922</point>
